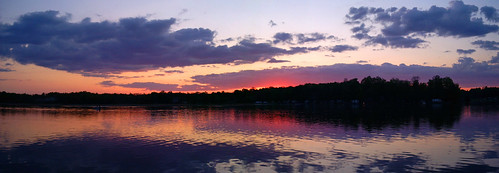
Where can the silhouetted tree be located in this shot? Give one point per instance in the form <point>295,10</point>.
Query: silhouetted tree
<point>443,88</point>
<point>370,90</point>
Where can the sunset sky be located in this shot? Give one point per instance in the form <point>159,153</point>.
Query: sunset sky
<point>136,46</point>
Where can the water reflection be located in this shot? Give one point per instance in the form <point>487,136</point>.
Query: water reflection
<point>248,139</point>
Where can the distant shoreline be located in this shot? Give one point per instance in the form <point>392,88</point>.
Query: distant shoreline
<point>370,91</point>
<point>105,106</point>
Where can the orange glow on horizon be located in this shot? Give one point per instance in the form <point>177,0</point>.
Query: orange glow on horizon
<point>277,83</point>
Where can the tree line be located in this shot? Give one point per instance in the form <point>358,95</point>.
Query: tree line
<point>368,91</point>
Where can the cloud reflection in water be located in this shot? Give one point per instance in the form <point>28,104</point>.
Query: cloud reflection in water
<point>138,139</point>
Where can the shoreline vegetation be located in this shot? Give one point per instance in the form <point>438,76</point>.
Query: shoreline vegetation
<point>370,91</point>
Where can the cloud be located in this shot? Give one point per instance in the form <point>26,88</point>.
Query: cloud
<point>312,37</point>
<point>495,59</point>
<point>183,11</point>
<point>401,26</point>
<point>174,71</point>
<point>342,48</point>
<point>48,39</point>
<point>199,35</point>
<point>487,45</point>
<point>108,75</point>
<point>283,37</point>
<point>357,13</point>
<point>469,64</point>
<point>361,32</point>
<point>395,41</point>
<point>467,72</point>
<point>272,23</point>
<point>5,66</point>
<point>227,40</point>
<point>273,60</point>
<point>301,38</point>
<point>394,164</point>
<point>157,86</point>
<point>464,52</point>
<point>490,13</point>
<point>361,62</point>
<point>5,70</point>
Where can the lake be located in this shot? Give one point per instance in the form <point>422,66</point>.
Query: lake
<point>249,139</point>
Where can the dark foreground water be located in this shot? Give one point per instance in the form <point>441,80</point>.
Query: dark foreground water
<point>256,139</point>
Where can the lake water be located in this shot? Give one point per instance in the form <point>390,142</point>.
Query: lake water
<point>249,139</point>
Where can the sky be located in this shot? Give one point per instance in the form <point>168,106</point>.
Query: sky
<point>194,46</point>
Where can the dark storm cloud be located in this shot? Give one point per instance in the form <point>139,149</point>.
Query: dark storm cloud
<point>48,39</point>
<point>464,52</point>
<point>342,48</point>
<point>300,38</point>
<point>467,72</point>
<point>156,86</point>
<point>400,26</point>
<point>487,45</point>
<point>490,13</point>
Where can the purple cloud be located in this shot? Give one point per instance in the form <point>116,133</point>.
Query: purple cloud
<point>495,59</point>
<point>466,72</point>
<point>174,71</point>
<point>312,37</point>
<point>48,39</point>
<point>288,38</point>
<point>490,13</point>
<point>273,60</point>
<point>157,86</point>
<point>464,52</point>
<point>400,26</point>
<point>283,37</point>
<point>272,23</point>
<point>487,45</point>
<point>395,41</point>
<point>5,70</point>
<point>183,11</point>
<point>342,48</point>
